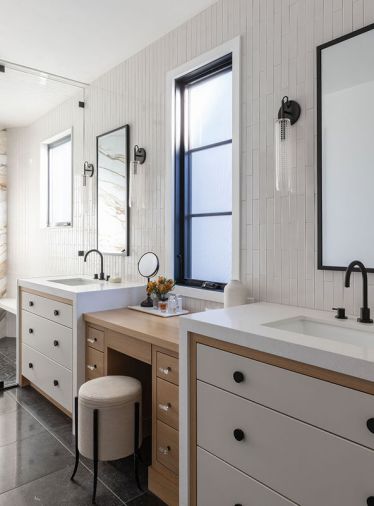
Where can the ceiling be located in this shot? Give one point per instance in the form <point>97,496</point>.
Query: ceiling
<point>82,39</point>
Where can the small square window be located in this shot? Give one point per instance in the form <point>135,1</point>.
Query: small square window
<point>60,182</point>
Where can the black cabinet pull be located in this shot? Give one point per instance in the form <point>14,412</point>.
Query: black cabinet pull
<point>55,382</point>
<point>55,342</point>
<point>237,504</point>
<point>238,434</point>
<point>370,424</point>
<point>30,365</point>
<point>31,331</point>
<point>31,303</point>
<point>370,501</point>
<point>238,377</point>
<point>56,312</point>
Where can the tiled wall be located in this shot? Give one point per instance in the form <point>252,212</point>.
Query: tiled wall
<point>278,236</point>
<point>3,226</point>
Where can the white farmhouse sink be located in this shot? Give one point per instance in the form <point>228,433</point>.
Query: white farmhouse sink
<point>75,281</point>
<point>310,327</point>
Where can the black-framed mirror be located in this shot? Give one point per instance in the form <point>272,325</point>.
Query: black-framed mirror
<point>345,150</point>
<point>113,167</point>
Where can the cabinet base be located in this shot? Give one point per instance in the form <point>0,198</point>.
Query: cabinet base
<point>164,488</point>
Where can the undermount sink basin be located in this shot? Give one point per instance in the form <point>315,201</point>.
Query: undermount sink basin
<point>315,328</point>
<point>75,281</point>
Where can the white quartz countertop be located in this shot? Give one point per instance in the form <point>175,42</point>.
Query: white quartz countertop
<point>247,326</point>
<point>48,285</point>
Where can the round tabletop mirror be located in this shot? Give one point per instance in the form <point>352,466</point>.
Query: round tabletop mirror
<point>148,265</point>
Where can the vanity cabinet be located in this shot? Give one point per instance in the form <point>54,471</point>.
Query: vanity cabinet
<point>46,342</point>
<point>135,344</point>
<point>276,431</point>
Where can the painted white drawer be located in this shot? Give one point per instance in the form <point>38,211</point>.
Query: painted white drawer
<point>305,464</point>
<point>53,379</point>
<point>56,311</point>
<point>50,338</point>
<point>231,486</point>
<point>331,407</point>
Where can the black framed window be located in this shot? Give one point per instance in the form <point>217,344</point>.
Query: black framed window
<point>60,182</point>
<point>203,176</point>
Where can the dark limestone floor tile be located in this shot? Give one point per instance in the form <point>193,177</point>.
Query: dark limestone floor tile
<point>147,499</point>
<point>44,411</point>
<point>16,425</point>
<point>7,371</point>
<point>7,403</point>
<point>30,459</point>
<point>8,348</point>
<point>56,489</point>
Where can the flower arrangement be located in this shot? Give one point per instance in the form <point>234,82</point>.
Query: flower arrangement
<point>160,287</point>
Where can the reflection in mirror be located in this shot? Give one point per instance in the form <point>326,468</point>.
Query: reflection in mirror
<point>112,191</point>
<point>148,266</point>
<point>346,150</point>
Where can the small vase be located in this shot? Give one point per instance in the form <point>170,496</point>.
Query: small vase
<point>235,293</point>
<point>163,303</point>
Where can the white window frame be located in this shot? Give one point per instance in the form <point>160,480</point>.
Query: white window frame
<point>44,179</point>
<point>233,47</point>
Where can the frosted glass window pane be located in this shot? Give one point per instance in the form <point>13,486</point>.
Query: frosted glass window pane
<point>211,248</point>
<point>210,110</point>
<point>60,184</point>
<point>211,180</point>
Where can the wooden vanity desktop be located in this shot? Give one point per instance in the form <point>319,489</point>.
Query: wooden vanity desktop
<point>123,341</point>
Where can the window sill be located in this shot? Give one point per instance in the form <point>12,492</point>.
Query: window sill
<point>199,293</point>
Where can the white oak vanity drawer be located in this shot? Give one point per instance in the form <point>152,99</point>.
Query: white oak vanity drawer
<point>337,409</point>
<point>167,403</point>
<point>231,487</point>
<point>50,338</point>
<point>167,367</point>
<point>95,338</point>
<point>305,464</point>
<point>53,379</point>
<point>167,441</point>
<point>48,308</point>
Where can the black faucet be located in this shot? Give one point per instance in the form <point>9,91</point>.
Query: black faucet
<point>365,310</point>
<point>101,276</point>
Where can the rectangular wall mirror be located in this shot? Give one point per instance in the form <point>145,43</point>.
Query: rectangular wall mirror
<point>112,191</point>
<point>345,101</point>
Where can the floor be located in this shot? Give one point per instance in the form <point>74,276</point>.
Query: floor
<point>36,460</point>
<point>8,361</point>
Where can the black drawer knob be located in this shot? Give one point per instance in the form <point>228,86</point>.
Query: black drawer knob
<point>31,331</point>
<point>55,342</point>
<point>31,303</point>
<point>238,377</point>
<point>56,312</point>
<point>30,365</point>
<point>55,382</point>
<point>370,501</point>
<point>370,424</point>
<point>238,434</point>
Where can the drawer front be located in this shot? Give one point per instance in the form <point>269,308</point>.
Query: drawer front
<point>167,367</point>
<point>231,487</point>
<point>95,338</point>
<point>168,403</point>
<point>94,363</point>
<point>53,379</point>
<point>167,446</point>
<point>337,409</point>
<point>53,310</point>
<point>51,339</point>
<point>305,464</point>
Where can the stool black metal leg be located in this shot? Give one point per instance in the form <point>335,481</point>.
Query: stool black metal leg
<point>95,450</point>
<point>136,443</point>
<point>76,437</point>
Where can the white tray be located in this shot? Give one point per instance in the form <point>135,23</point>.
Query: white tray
<point>157,312</point>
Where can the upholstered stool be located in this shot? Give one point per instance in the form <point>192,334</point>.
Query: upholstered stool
<point>108,421</point>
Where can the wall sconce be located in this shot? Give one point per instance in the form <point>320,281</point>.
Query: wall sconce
<point>137,183</point>
<point>88,171</point>
<point>288,114</point>
<point>139,155</point>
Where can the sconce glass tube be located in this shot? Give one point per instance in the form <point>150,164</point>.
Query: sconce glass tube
<point>283,156</point>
